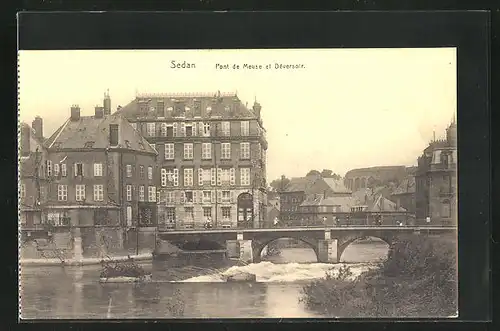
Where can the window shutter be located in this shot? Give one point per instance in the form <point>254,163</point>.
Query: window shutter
<point>219,196</point>
<point>200,176</point>
<point>183,197</point>
<point>213,177</point>
<point>183,129</point>
<point>163,177</point>
<point>175,129</point>
<point>212,197</point>
<point>200,128</point>
<point>176,177</point>
<point>194,129</point>
<point>219,176</point>
<point>232,178</point>
<point>75,167</point>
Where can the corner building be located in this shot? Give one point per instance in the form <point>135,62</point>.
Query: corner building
<point>211,157</point>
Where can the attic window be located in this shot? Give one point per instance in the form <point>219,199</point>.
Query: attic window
<point>89,144</point>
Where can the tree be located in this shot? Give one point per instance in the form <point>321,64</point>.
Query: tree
<point>280,184</point>
<point>313,173</point>
<point>327,173</point>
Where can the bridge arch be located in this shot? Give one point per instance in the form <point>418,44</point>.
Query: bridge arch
<point>344,242</point>
<point>258,245</point>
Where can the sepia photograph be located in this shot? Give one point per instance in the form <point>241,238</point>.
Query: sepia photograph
<point>245,183</point>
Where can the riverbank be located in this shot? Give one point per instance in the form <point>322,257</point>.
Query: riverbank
<point>84,261</point>
<point>418,279</point>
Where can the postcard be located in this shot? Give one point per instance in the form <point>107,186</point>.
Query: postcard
<point>250,183</point>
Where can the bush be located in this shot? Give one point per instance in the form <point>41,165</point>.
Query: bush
<point>418,279</point>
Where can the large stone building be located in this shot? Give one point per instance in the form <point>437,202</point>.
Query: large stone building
<point>404,195</point>
<point>436,180</point>
<point>211,157</point>
<point>356,179</point>
<point>101,179</point>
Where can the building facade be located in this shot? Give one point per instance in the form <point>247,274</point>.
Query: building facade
<point>436,180</point>
<point>404,195</point>
<point>101,178</point>
<point>32,180</point>
<point>211,157</point>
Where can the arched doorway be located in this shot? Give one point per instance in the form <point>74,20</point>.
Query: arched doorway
<point>245,210</point>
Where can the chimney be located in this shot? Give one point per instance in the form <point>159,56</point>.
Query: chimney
<point>99,112</point>
<point>75,113</point>
<point>37,125</point>
<point>107,104</point>
<point>25,139</point>
<point>256,109</point>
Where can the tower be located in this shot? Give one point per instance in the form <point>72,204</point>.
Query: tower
<point>107,104</point>
<point>37,126</point>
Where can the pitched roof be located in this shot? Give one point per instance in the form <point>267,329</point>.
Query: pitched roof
<point>299,184</point>
<point>407,186</point>
<point>379,203</point>
<point>344,203</point>
<point>91,132</point>
<point>226,105</point>
<point>337,186</point>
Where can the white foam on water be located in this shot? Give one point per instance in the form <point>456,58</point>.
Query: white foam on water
<point>267,272</point>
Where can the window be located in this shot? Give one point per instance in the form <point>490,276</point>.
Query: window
<point>226,212</point>
<point>62,192</point>
<point>129,192</point>
<point>113,134</point>
<point>244,150</point>
<point>226,196</point>
<point>245,128</point>
<point>225,151</point>
<point>207,197</point>
<point>141,172</point>
<point>188,151</point>
<point>226,128</point>
<point>129,170</point>
<point>22,191</point>
<point>97,169</point>
<point>170,131</point>
<point>151,129</point>
<point>79,169</point>
<point>188,177</point>
<point>98,192</point>
<point>170,214</point>
<point>64,172</point>
<point>206,129</point>
<point>206,151</point>
<point>141,193</point>
<point>56,169</point>
<point>49,168</point>
<point>189,130</point>
<point>151,193</point>
<point>189,196</point>
<point>150,173</point>
<point>169,151</point>
<point>163,129</point>
<point>189,212</point>
<point>207,212</point>
<point>129,216</point>
<point>245,176</point>
<point>80,192</point>
<point>204,177</point>
<point>145,216</point>
<point>170,197</point>
<point>226,176</point>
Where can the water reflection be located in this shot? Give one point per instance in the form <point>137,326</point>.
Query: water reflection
<point>74,292</point>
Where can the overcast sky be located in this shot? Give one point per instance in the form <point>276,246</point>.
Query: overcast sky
<point>346,109</point>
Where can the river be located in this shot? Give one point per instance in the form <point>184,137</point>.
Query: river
<point>185,292</point>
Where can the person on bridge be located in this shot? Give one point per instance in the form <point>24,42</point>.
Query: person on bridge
<point>208,223</point>
<point>276,221</point>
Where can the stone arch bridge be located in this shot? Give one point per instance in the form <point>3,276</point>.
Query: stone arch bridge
<point>327,243</point>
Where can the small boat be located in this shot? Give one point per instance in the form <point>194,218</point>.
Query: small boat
<point>124,272</point>
<point>127,279</point>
